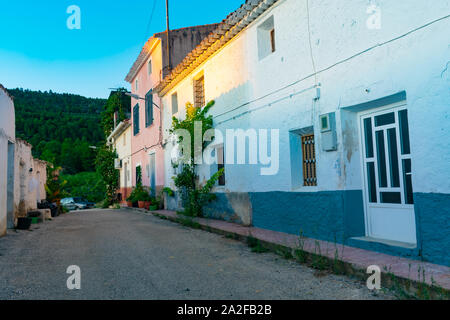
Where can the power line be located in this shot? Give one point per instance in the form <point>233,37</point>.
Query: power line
<point>323,70</point>
<point>150,20</point>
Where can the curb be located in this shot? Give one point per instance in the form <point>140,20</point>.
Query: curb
<point>403,287</point>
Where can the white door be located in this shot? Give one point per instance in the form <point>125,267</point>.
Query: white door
<point>388,194</point>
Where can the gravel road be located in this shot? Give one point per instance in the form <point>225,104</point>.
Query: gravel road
<point>128,255</point>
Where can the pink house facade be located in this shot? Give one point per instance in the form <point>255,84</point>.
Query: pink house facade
<point>151,66</point>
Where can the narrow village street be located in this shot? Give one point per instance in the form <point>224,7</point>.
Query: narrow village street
<point>127,255</point>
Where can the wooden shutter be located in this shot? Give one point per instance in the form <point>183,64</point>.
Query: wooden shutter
<point>149,108</point>
<point>136,119</point>
<point>309,160</point>
<point>272,39</point>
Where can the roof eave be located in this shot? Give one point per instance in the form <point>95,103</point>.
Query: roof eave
<point>121,127</point>
<point>142,58</point>
<point>225,32</point>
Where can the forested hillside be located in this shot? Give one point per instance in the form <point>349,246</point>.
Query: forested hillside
<point>61,127</point>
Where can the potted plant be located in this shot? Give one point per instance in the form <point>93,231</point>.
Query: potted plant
<point>130,199</point>
<point>135,195</point>
<point>143,197</point>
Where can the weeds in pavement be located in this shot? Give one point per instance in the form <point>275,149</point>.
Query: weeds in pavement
<point>287,254</point>
<point>189,223</point>
<point>255,245</point>
<point>232,236</point>
<point>319,262</point>
<point>404,288</point>
<point>422,290</point>
<point>299,253</point>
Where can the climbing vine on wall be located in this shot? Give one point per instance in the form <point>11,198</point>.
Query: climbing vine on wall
<point>105,167</point>
<point>194,194</point>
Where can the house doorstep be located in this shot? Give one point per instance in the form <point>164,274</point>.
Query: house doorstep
<point>402,269</point>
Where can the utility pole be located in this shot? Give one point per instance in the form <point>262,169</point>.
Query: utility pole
<point>169,62</point>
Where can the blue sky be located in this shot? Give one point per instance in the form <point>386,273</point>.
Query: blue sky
<point>39,52</point>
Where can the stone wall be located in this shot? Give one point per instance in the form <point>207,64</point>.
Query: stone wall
<point>30,176</point>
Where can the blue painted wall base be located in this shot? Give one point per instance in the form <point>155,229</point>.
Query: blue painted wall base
<point>327,215</point>
<point>433,226</point>
<point>338,216</point>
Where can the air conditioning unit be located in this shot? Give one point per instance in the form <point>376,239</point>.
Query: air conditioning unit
<point>117,163</point>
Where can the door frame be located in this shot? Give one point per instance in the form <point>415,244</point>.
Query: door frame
<point>395,107</point>
<point>10,184</point>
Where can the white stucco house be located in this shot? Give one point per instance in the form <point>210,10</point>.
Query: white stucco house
<point>7,140</point>
<point>355,96</point>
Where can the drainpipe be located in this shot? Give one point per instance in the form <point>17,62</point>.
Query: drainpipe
<point>169,62</point>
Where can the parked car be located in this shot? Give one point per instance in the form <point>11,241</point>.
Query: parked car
<point>77,203</point>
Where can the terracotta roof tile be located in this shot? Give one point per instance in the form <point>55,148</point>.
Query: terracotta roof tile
<point>234,23</point>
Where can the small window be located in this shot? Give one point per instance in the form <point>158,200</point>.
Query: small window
<point>309,161</point>
<point>174,103</point>
<point>136,119</point>
<point>220,164</point>
<point>149,108</point>
<point>125,139</point>
<point>136,85</point>
<point>266,38</point>
<point>149,67</point>
<point>199,92</point>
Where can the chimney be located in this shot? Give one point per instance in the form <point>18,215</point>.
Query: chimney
<point>115,119</point>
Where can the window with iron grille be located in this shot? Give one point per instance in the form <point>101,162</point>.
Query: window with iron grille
<point>148,108</point>
<point>136,119</point>
<point>199,92</point>
<point>309,161</point>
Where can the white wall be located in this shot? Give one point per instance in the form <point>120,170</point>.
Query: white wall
<point>354,65</point>
<point>7,133</point>
<point>124,153</point>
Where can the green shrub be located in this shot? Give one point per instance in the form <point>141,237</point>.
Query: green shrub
<point>194,195</point>
<point>88,185</point>
<point>140,193</point>
<point>169,191</point>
